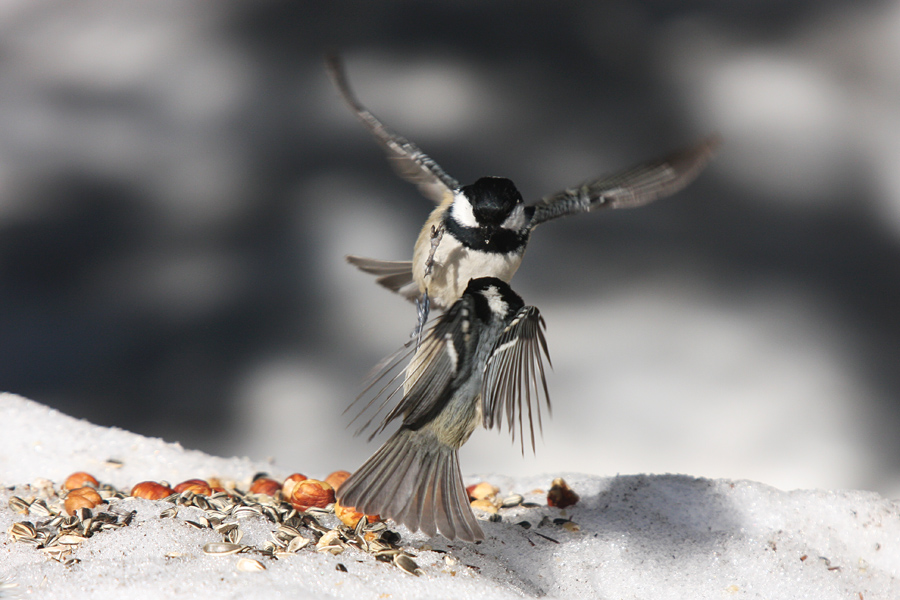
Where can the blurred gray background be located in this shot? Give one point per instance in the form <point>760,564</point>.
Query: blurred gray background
<point>179,183</point>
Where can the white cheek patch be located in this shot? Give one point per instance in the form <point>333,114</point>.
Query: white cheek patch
<point>462,211</point>
<point>495,301</point>
<point>516,219</point>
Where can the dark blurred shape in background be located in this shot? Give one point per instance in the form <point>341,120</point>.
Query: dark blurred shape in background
<point>179,183</point>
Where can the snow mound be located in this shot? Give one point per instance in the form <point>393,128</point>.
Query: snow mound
<point>635,536</point>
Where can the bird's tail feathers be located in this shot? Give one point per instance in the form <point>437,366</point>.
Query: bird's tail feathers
<point>395,275</point>
<point>415,480</point>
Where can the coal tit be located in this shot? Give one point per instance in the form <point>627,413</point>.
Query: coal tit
<point>482,229</point>
<point>482,357</point>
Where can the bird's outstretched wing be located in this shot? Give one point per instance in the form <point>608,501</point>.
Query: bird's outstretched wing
<point>514,374</point>
<point>407,159</point>
<point>631,187</point>
<point>427,381</point>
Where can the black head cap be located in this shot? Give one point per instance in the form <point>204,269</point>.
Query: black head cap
<point>486,298</point>
<point>492,199</point>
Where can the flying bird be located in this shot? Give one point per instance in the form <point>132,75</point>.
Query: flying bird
<point>480,363</point>
<point>482,229</point>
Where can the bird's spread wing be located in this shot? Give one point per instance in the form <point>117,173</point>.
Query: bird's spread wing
<point>632,187</point>
<point>408,160</point>
<point>514,374</point>
<point>442,357</point>
<point>395,275</point>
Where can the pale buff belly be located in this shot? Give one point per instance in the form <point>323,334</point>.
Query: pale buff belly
<point>455,265</point>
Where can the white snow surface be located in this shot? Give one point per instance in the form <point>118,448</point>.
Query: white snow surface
<point>640,536</point>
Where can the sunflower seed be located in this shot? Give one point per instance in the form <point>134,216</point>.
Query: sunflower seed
<point>224,528</point>
<point>222,504</point>
<point>250,564</point>
<point>272,514</point>
<point>243,512</point>
<point>49,539</point>
<point>69,522</point>
<point>407,564</point>
<point>316,526</point>
<point>22,530</point>
<point>287,531</point>
<point>390,537</point>
<point>222,548</point>
<point>321,511</point>
<point>387,555</point>
<point>19,505</point>
<point>39,508</point>
<point>35,542</point>
<point>83,514</point>
<point>267,500</point>
<point>105,517</point>
<point>70,540</point>
<point>95,527</point>
<point>333,536</point>
<point>297,543</point>
<point>330,542</point>
<point>169,512</point>
<point>234,536</point>
<point>513,500</point>
<point>361,526</point>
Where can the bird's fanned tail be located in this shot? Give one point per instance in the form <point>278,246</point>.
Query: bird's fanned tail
<point>415,480</point>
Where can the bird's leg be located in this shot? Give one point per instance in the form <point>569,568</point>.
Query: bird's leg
<point>424,305</point>
<point>437,232</point>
